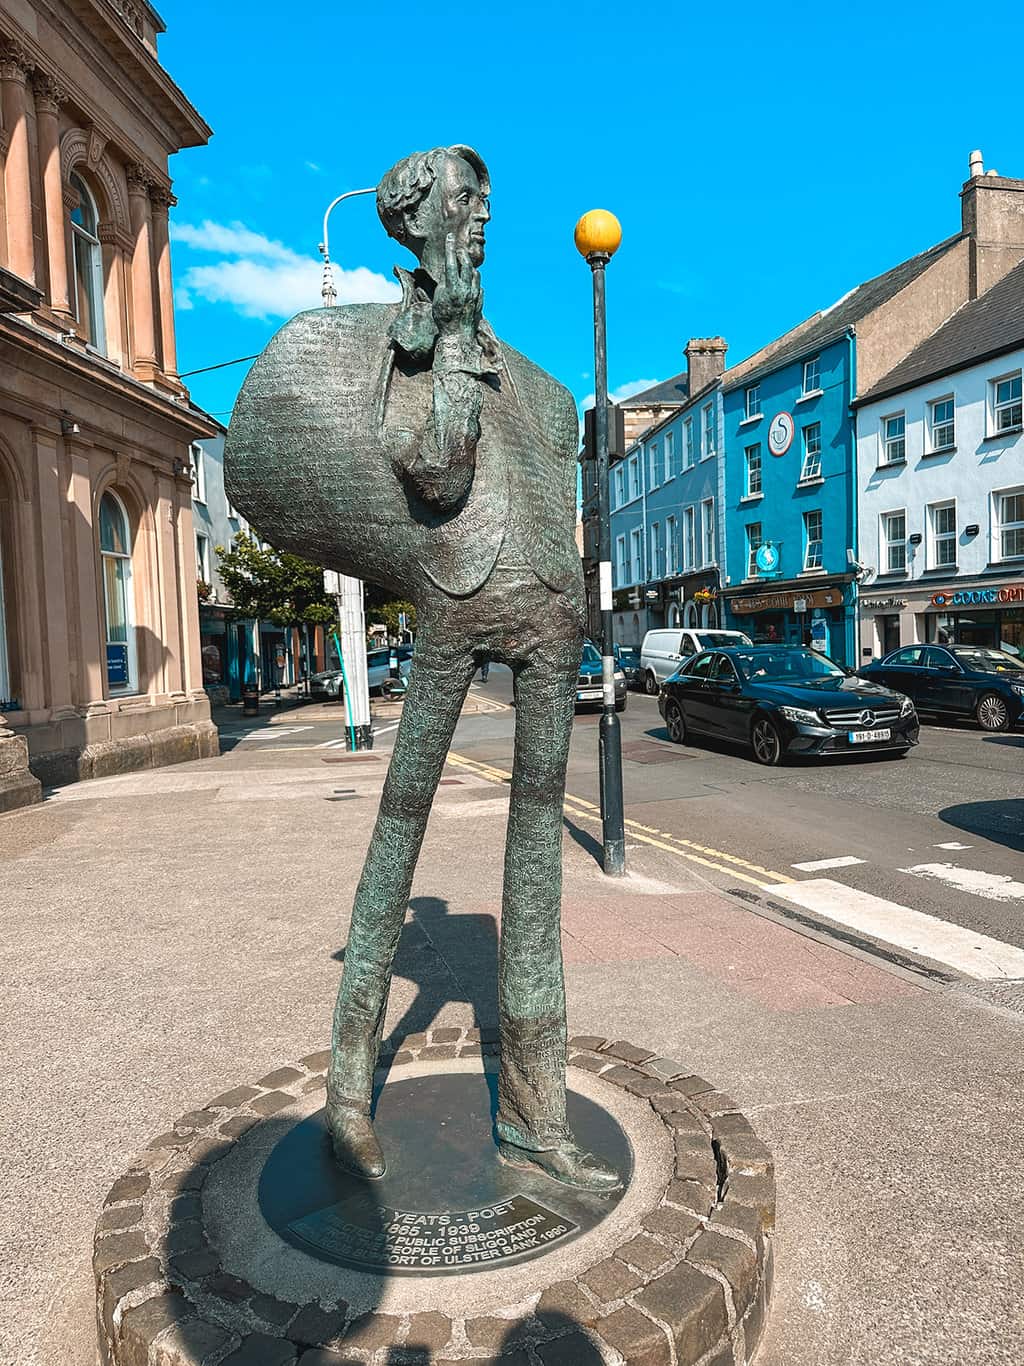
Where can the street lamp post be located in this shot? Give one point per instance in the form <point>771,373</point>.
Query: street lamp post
<point>348,591</point>
<point>597,237</point>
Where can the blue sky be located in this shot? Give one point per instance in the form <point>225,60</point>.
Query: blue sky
<point>762,159</point>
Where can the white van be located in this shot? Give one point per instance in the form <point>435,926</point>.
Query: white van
<point>663,651</point>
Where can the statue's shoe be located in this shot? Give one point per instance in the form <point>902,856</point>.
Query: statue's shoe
<point>355,1144</point>
<point>570,1165</point>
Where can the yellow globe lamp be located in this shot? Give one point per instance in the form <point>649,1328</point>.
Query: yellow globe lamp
<point>598,233</point>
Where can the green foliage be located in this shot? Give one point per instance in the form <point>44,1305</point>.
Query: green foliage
<point>272,585</point>
<point>388,613</point>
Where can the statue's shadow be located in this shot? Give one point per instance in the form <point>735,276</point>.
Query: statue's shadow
<point>447,958</point>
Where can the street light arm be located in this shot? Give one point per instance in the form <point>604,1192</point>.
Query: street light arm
<point>327,291</point>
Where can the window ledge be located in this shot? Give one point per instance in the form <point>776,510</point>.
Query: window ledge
<point>810,483</point>
<point>939,450</point>
<point>937,569</point>
<point>998,436</point>
<point>890,465</point>
<point>710,456</point>
<point>1013,561</point>
<point>806,398</point>
<point>751,498</point>
<point>749,421</point>
<point>892,574</point>
<point>812,573</point>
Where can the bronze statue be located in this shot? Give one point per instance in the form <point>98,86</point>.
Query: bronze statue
<point>407,445</point>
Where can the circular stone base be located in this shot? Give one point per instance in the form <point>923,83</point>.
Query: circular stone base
<point>235,1238</point>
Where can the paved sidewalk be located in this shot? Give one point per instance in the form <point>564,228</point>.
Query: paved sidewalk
<point>169,934</point>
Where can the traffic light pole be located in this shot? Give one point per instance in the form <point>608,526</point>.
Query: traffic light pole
<point>610,735</point>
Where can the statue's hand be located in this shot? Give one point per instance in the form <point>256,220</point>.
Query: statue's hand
<point>458,298</point>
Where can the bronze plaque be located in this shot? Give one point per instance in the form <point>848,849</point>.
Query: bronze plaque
<point>384,1239</point>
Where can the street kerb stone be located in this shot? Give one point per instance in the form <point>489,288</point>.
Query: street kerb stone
<point>687,1279</point>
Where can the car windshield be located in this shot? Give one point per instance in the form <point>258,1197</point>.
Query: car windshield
<point>987,661</point>
<point>709,639</point>
<point>628,655</point>
<point>785,666</point>
<point>590,654</point>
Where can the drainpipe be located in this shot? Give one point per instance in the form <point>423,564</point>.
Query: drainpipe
<point>851,342</point>
<point>645,533</point>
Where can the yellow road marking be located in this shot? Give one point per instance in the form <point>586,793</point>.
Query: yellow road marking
<point>645,834</point>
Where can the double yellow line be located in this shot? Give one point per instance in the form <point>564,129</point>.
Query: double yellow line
<point>689,850</point>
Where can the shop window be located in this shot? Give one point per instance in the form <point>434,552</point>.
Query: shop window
<point>812,540</point>
<point>753,545</point>
<point>1010,524</point>
<point>941,425</point>
<point>894,541</point>
<point>752,455</point>
<point>942,535</point>
<point>811,468</point>
<point>1007,411</point>
<point>115,553</point>
<point>87,263</point>
<point>894,439</point>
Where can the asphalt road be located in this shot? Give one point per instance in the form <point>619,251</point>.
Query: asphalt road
<point>940,833</point>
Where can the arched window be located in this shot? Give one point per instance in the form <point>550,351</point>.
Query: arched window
<point>87,262</point>
<point>115,552</point>
<point>690,617</point>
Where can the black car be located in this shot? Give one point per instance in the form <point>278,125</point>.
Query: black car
<point>956,680</point>
<point>784,700</point>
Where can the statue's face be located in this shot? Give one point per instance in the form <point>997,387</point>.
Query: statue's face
<point>456,204</point>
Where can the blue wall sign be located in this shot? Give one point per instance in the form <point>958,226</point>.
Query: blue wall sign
<point>117,666</point>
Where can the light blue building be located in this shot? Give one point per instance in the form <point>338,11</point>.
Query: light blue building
<point>666,492</point>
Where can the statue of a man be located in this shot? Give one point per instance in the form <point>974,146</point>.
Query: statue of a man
<point>407,444</point>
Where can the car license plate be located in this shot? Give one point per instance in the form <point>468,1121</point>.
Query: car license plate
<point>588,695</point>
<point>864,737</point>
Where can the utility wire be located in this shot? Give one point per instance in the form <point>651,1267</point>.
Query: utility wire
<point>206,368</point>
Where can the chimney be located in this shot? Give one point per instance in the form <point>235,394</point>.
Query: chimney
<point>992,213</point>
<point>705,361</point>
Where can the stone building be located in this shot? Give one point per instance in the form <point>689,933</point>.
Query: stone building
<point>100,665</point>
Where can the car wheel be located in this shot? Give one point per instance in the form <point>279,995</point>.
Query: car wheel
<point>675,722</point>
<point>766,742</point>
<point>620,706</point>
<point>992,712</point>
<point>651,684</point>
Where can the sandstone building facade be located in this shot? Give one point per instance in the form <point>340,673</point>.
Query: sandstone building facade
<point>100,665</point>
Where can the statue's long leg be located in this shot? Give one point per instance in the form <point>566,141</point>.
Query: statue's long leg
<point>531,990</point>
<point>438,684</point>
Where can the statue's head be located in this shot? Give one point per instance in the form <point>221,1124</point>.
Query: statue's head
<point>430,194</point>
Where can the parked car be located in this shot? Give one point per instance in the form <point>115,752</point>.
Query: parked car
<point>785,700</point>
<point>328,685</point>
<point>588,684</point>
<point>956,680</point>
<point>627,657</point>
<point>663,651</point>
<point>399,655</point>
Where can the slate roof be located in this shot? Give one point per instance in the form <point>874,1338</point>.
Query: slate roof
<point>986,326</point>
<point>831,323</point>
<point>675,390</point>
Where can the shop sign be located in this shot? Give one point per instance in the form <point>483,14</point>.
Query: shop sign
<point>780,433</point>
<point>767,559</point>
<point>883,604</point>
<point>978,597</point>
<point>786,602</point>
<point>117,666</point>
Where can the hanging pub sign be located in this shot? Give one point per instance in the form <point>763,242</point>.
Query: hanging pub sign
<point>767,560</point>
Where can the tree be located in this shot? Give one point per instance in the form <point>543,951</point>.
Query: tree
<point>381,606</point>
<point>272,585</point>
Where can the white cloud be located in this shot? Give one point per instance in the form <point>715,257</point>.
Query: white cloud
<point>627,390</point>
<point>263,278</point>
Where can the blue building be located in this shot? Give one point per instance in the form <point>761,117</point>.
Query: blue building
<point>790,495</point>
<point>666,491</point>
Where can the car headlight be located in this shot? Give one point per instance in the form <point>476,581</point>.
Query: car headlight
<point>1018,688</point>
<point>907,707</point>
<point>802,715</point>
